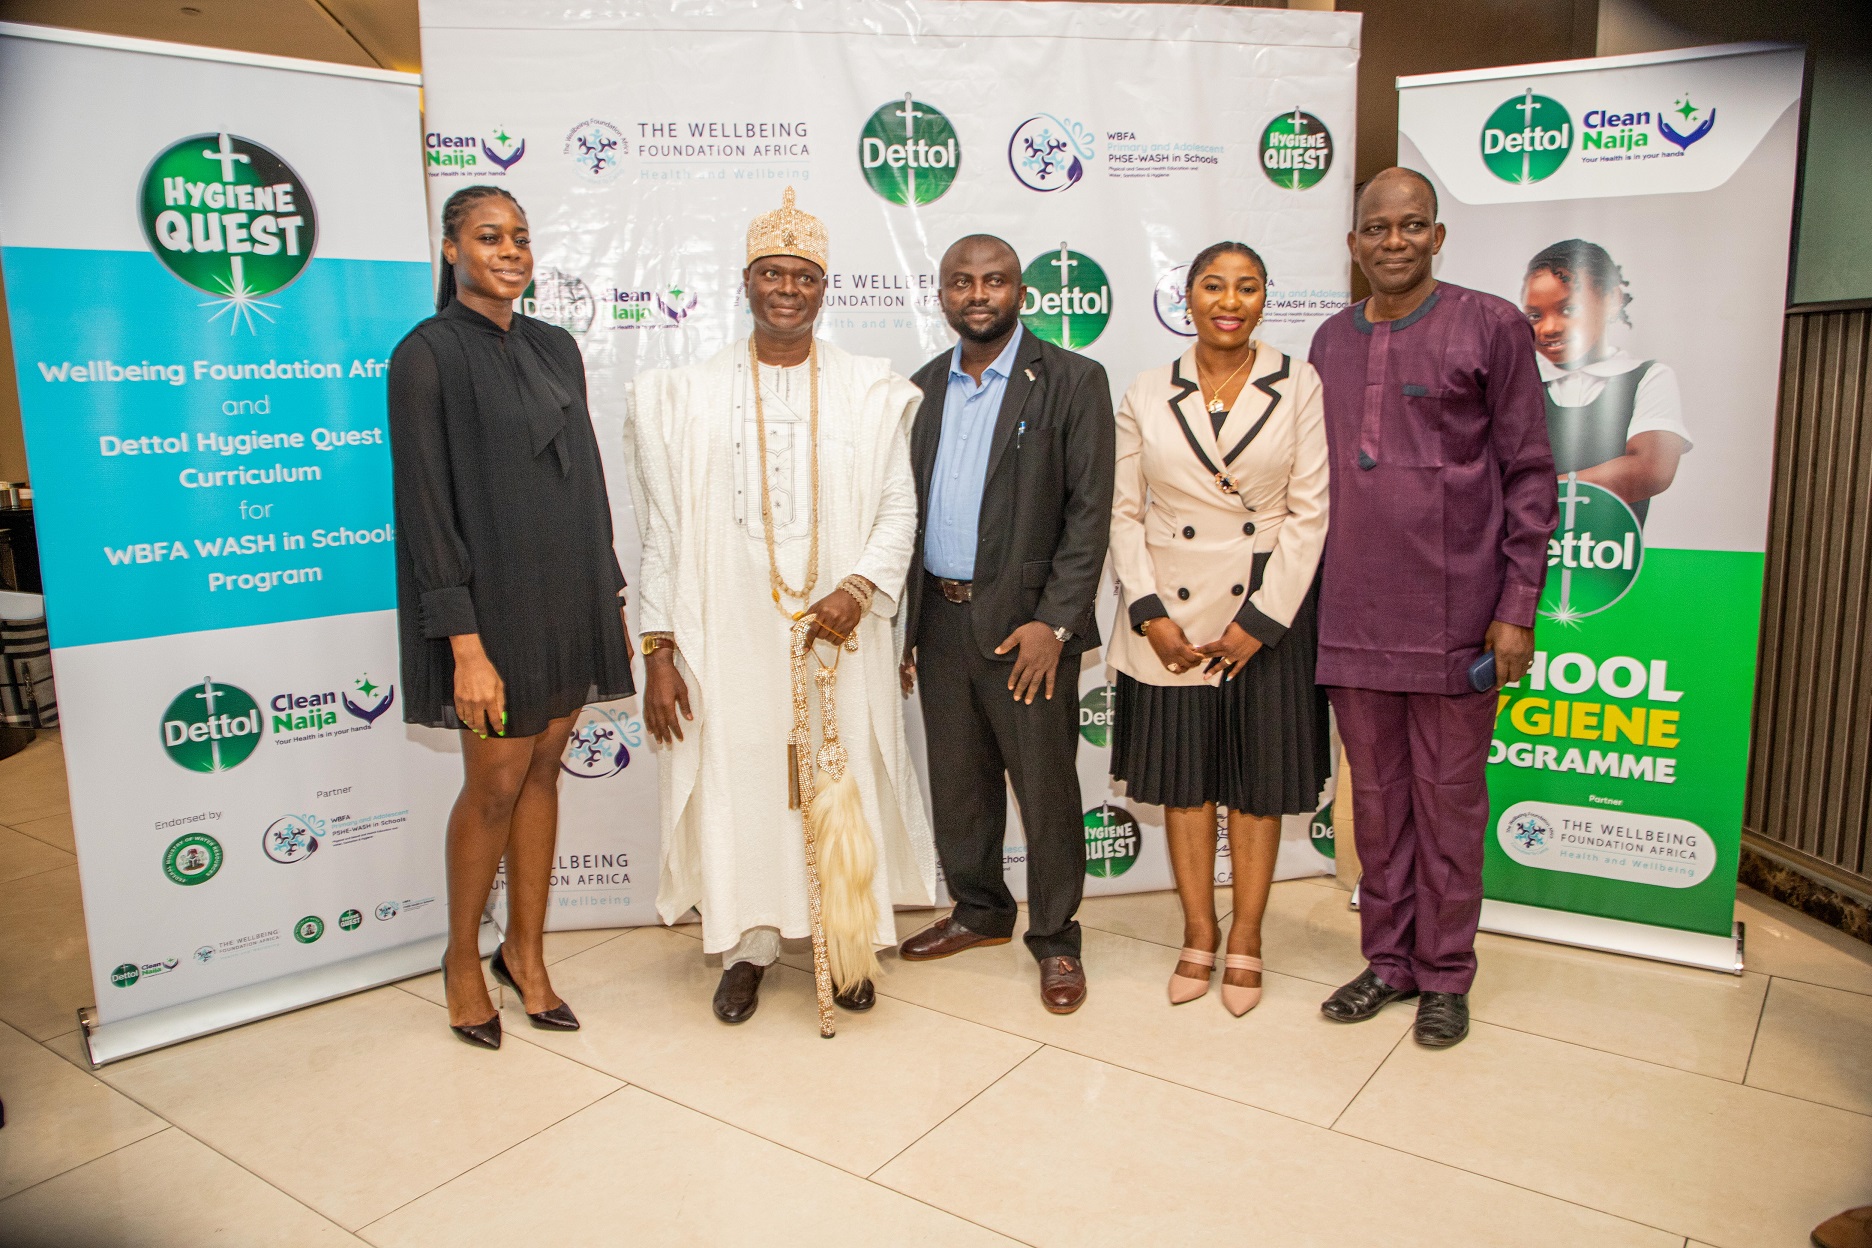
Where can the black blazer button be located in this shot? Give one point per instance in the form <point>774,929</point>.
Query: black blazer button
<point>1248,528</point>
<point>1237,591</point>
<point>1188,531</point>
<point>1183,594</point>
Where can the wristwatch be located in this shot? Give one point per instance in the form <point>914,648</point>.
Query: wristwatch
<point>1063,635</point>
<point>652,642</point>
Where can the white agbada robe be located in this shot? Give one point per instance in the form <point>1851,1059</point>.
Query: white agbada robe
<point>731,847</point>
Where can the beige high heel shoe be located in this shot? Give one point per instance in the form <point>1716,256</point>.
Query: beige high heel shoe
<point>1238,1001</point>
<point>1184,989</point>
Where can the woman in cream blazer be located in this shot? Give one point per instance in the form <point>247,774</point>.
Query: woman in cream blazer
<point>1218,520</point>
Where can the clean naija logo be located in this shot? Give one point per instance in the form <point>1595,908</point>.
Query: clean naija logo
<point>211,727</point>
<point>909,152</point>
<point>1049,153</point>
<point>1595,555</point>
<point>1112,841</point>
<point>1296,150</point>
<point>1068,298</point>
<point>230,218</point>
<point>1527,138</point>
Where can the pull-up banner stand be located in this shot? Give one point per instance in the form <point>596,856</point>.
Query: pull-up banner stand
<point>209,257</point>
<point>1638,209</point>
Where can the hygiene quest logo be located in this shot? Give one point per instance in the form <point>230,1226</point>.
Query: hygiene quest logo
<point>1112,841</point>
<point>1594,557</point>
<point>1296,150</point>
<point>470,155</point>
<point>211,727</point>
<point>1068,298</point>
<point>1049,153</point>
<point>909,152</point>
<point>230,218</point>
<point>1527,138</point>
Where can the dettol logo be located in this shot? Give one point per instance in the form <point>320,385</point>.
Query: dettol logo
<point>1527,138</point>
<point>909,152</point>
<point>1068,298</point>
<point>228,217</point>
<point>1594,556</point>
<point>211,727</point>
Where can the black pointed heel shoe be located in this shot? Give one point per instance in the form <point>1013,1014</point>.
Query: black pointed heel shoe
<point>559,1018</point>
<point>482,1035</point>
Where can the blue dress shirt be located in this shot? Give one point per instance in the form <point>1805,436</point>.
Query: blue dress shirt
<point>961,471</point>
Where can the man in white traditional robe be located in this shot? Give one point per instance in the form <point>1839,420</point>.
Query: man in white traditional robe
<point>728,565</point>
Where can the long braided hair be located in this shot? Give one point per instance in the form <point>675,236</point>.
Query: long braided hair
<point>1574,260</point>
<point>454,212</point>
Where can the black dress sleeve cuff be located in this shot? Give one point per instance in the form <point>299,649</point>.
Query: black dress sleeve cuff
<point>448,612</point>
<point>1146,609</point>
<point>1262,628</point>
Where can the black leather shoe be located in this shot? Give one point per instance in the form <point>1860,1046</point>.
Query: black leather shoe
<point>739,992</point>
<point>858,998</point>
<point>482,1035</point>
<point>559,1018</point>
<point>1442,1019</point>
<point>1363,998</point>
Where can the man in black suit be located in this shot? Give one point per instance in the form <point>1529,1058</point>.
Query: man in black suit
<point>1013,454</point>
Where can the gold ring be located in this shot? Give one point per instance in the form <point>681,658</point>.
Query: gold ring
<point>1175,668</point>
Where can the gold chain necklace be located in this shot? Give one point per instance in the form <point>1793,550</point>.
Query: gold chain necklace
<point>777,582</point>
<point>1215,404</point>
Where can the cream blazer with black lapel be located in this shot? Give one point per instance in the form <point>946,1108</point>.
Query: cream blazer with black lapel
<point>1184,546</point>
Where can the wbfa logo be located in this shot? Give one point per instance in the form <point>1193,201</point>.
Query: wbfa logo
<point>1296,150</point>
<point>230,218</point>
<point>211,727</point>
<point>1068,298</point>
<point>1594,557</point>
<point>1527,138</point>
<point>1112,841</point>
<point>909,152</point>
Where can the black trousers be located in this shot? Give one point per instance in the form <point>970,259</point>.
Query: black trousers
<point>977,733</point>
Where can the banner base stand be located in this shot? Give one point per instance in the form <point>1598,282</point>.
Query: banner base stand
<point>1588,931</point>
<point>112,1042</point>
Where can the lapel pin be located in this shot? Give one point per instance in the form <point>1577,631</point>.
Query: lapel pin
<point>1030,375</point>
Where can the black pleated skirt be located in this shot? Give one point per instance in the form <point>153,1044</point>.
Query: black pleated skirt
<point>1259,744</point>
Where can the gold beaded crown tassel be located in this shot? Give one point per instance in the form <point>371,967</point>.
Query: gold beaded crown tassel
<point>787,231</point>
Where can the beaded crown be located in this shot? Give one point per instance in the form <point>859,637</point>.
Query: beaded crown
<point>787,231</point>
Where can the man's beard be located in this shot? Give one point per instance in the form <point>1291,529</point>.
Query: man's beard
<point>1000,328</point>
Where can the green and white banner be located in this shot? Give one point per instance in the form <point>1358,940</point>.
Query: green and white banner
<point>209,257</point>
<point>642,137</point>
<point>1638,209</point>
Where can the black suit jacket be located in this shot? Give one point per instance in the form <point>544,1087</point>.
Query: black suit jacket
<point>1046,505</point>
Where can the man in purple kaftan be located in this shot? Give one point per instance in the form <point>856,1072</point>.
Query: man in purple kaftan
<point>1443,500</point>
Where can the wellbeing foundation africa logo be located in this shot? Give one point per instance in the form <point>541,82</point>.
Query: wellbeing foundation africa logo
<point>230,218</point>
<point>909,152</point>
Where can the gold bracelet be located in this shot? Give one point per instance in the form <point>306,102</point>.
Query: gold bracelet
<point>860,589</point>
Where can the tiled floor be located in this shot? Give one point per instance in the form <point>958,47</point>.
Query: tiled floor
<point>1600,1100</point>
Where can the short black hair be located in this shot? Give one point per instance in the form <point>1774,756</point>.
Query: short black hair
<point>1358,196</point>
<point>1207,257</point>
<point>993,240</point>
<point>1575,259</point>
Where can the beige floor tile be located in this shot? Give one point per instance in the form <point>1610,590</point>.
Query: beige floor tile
<point>1156,917</point>
<point>1312,932</point>
<point>671,1177</point>
<point>168,1191</point>
<point>1132,1160</point>
<point>855,1100</point>
<point>1783,942</point>
<point>53,830</point>
<point>22,855</point>
<point>1697,1156</point>
<point>57,1117</point>
<point>1691,1019</point>
<point>32,782</point>
<point>47,970</point>
<point>559,947</point>
<point>358,1105</point>
<point>1283,1055</point>
<point>1816,1043</point>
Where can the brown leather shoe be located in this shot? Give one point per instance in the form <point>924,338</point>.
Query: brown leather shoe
<point>944,937</point>
<point>738,993</point>
<point>1062,984</point>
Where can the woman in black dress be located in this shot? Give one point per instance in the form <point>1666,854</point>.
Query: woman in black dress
<point>1218,521</point>
<point>510,600</point>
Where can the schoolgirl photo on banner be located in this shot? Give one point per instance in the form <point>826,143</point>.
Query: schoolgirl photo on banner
<point>903,125</point>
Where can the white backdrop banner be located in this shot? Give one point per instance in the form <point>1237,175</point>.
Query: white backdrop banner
<point>202,323</point>
<point>1108,143</point>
